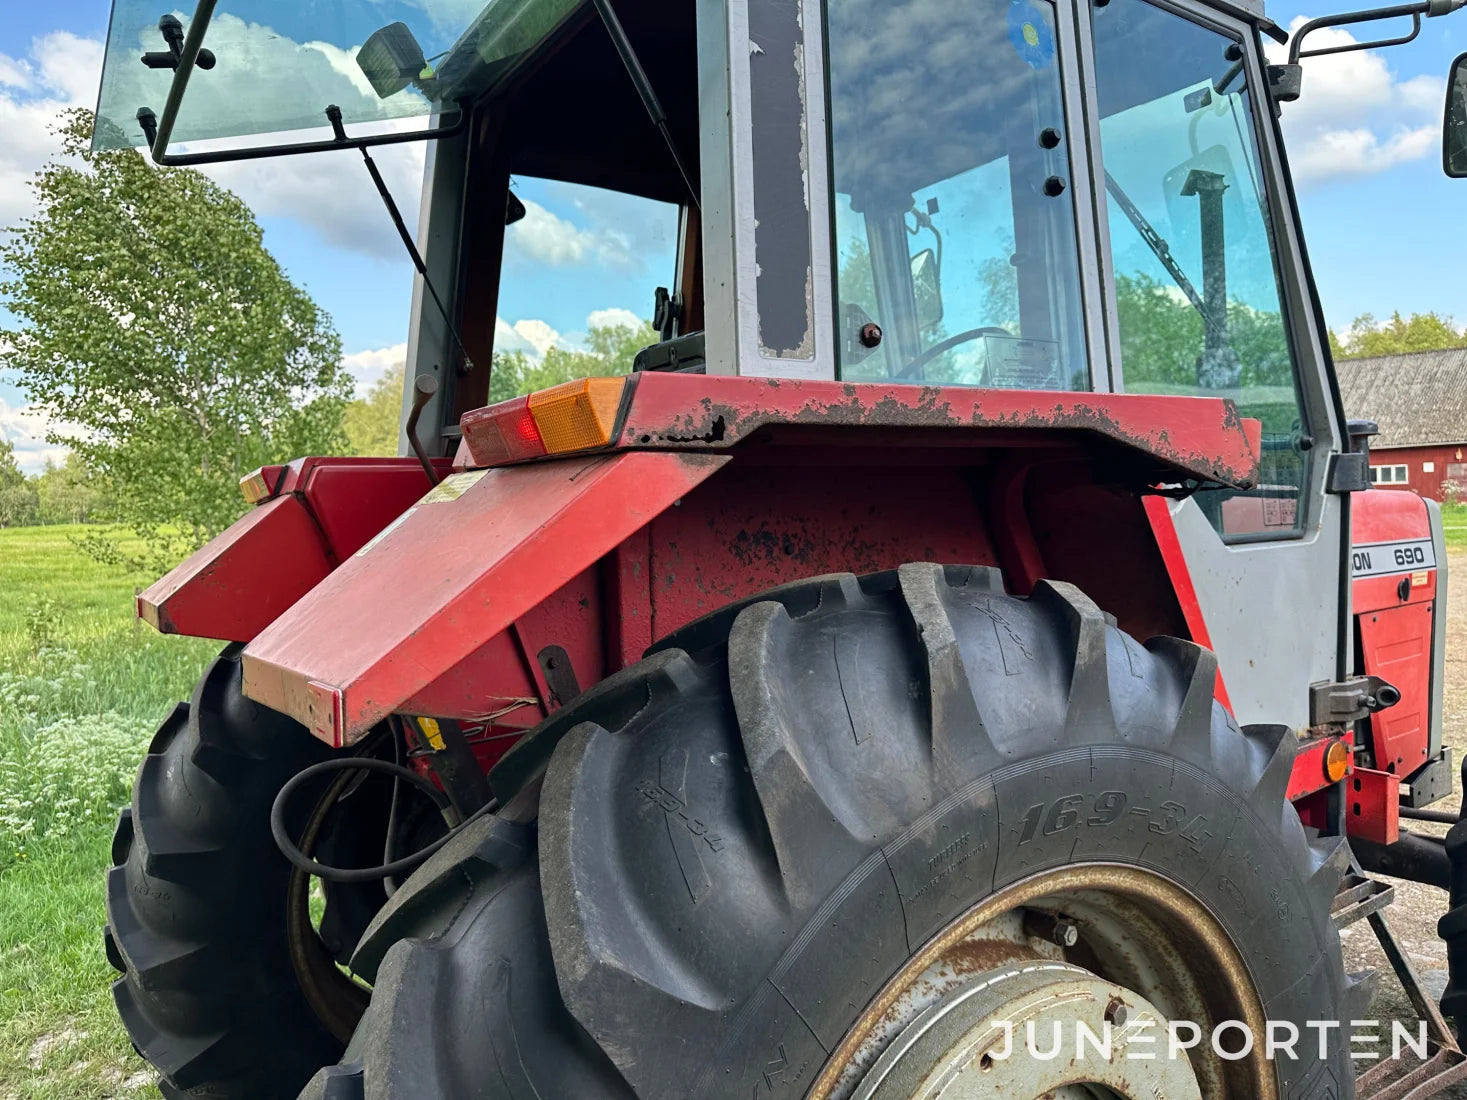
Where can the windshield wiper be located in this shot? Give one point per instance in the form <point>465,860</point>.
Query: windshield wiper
<point>1156,242</point>
<point>1162,251</point>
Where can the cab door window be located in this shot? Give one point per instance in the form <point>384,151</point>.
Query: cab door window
<point>954,211</point>
<point>1195,265</point>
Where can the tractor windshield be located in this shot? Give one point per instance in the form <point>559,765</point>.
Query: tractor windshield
<point>277,64</point>
<point>955,219</point>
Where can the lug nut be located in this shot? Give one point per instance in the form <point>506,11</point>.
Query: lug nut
<point>1116,1012</point>
<point>1047,926</point>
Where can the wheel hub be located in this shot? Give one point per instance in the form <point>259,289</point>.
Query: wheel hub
<point>1071,949</point>
<point>1031,1031</point>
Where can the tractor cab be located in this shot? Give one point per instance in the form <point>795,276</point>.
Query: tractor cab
<point>994,195</point>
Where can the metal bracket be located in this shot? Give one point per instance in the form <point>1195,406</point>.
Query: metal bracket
<point>1431,782</point>
<point>560,675</point>
<point>171,28</point>
<point>1349,700</point>
<point>1285,82</point>
<point>1348,473</point>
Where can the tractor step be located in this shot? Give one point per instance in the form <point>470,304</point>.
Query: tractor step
<point>1390,1081</point>
<point>1357,898</point>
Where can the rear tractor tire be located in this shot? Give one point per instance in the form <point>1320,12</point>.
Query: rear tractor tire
<point>197,905</point>
<point>788,854</point>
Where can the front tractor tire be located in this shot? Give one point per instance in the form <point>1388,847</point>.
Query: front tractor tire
<point>197,901</point>
<point>773,859</point>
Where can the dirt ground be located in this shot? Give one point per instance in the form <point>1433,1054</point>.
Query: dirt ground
<point>1417,908</point>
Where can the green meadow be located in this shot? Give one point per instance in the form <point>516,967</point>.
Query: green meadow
<point>82,687</point>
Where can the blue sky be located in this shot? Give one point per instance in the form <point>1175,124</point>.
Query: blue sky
<point>1386,230</point>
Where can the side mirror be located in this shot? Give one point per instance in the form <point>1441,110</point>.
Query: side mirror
<point>392,59</point>
<point>927,285</point>
<point>1454,127</point>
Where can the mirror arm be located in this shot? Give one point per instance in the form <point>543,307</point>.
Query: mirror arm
<point>1428,8</point>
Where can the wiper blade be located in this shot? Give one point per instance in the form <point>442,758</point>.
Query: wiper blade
<point>1161,250</point>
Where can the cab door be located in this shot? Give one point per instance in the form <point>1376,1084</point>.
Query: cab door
<point>1212,298</point>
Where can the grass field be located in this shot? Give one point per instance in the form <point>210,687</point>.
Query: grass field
<point>81,689</point>
<point>1454,520</point>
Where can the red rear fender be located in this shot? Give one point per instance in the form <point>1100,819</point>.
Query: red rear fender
<point>321,511</point>
<point>448,576</point>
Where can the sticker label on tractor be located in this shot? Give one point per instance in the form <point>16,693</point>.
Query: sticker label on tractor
<point>452,487</point>
<point>1381,558</point>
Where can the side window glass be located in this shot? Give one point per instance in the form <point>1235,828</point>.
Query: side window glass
<point>954,211</point>
<point>576,290</point>
<point>1196,274</point>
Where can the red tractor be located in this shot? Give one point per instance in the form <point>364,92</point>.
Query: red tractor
<point>970,612</point>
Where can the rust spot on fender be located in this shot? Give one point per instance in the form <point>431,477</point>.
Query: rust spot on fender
<point>1190,438</point>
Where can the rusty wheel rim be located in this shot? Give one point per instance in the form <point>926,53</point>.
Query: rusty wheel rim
<point>1117,931</point>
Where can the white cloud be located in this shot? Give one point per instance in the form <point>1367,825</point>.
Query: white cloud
<point>530,335</point>
<point>61,72</point>
<point>1354,116</point>
<point>366,367</point>
<point>332,194</point>
<point>543,237</point>
<point>613,318</point>
<point>15,74</point>
<point>70,64</point>
<point>25,427</point>
<point>1334,153</point>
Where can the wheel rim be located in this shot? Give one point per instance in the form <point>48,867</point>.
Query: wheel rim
<point>1137,939</point>
<point>958,1050</point>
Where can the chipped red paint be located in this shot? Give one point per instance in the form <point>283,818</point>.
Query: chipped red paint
<point>1190,437</point>
<point>421,626</point>
<point>447,576</point>
<point>768,520</point>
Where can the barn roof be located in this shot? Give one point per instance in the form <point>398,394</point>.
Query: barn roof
<point>1416,398</point>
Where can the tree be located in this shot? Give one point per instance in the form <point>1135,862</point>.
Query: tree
<point>1419,332</point>
<point>164,341</point>
<point>67,493</point>
<point>609,350</point>
<point>372,422</point>
<point>17,495</point>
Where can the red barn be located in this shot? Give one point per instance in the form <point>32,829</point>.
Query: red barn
<point>1420,402</point>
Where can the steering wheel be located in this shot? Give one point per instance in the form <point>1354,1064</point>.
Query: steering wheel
<point>947,345</point>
